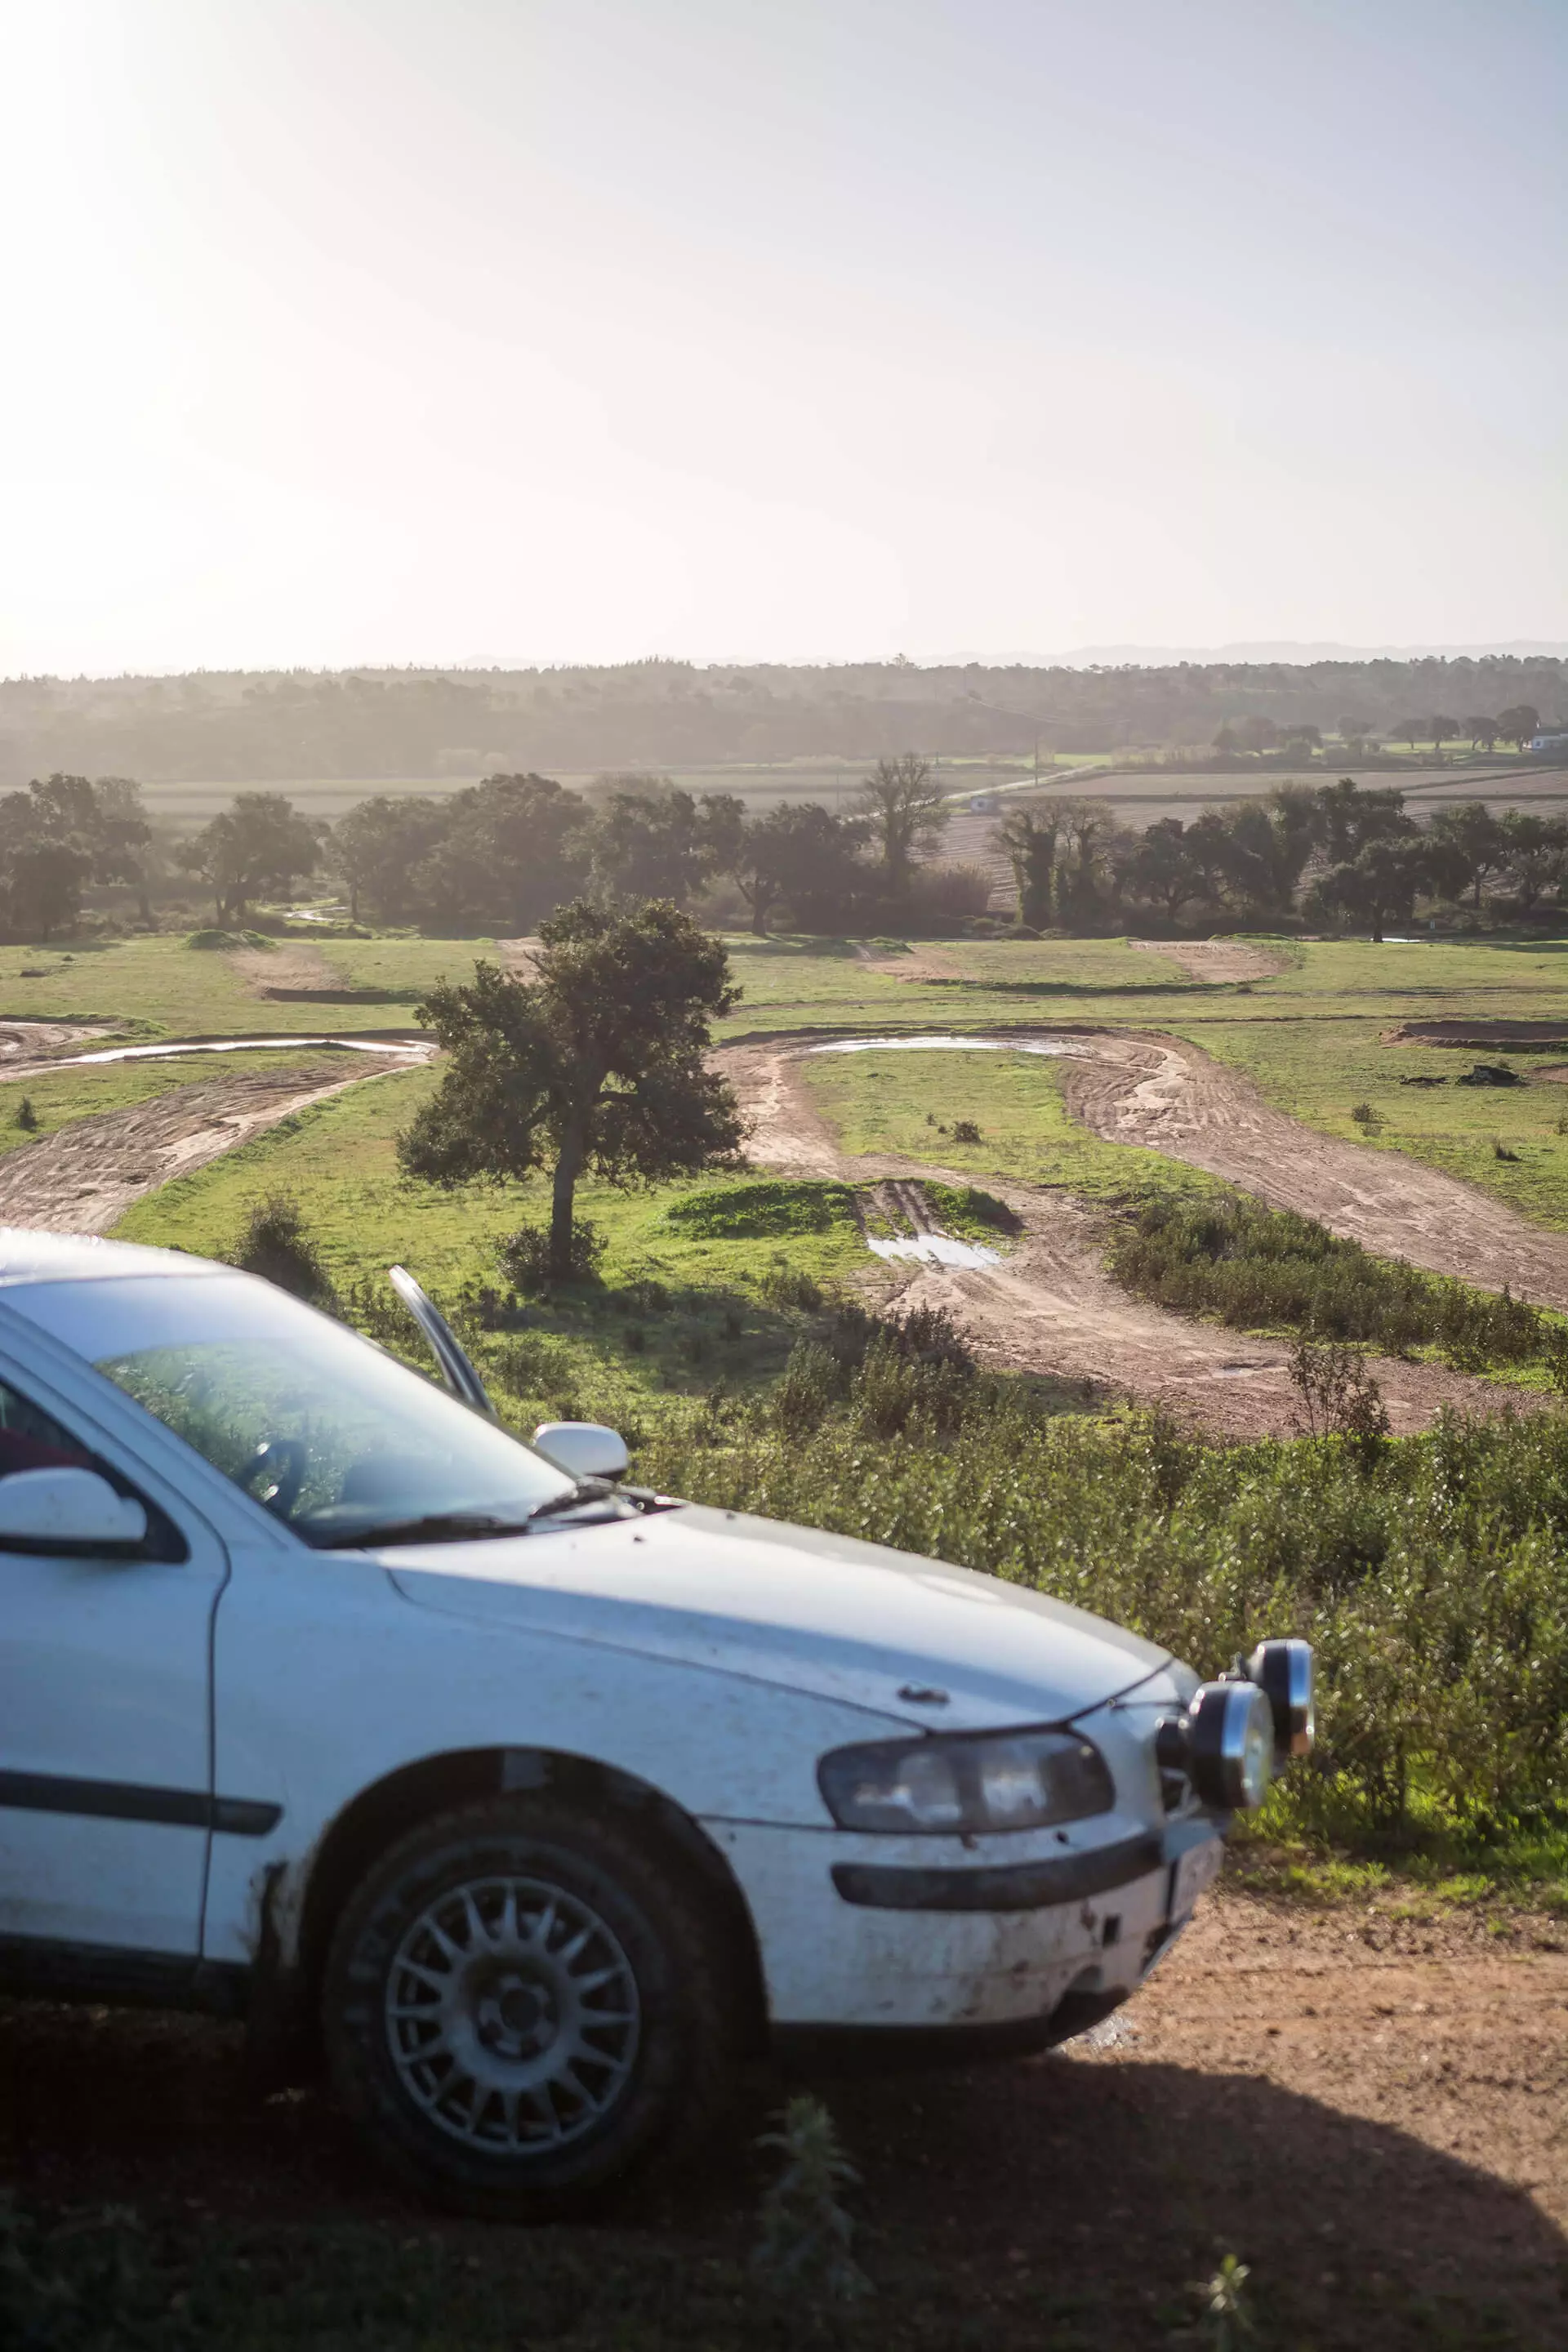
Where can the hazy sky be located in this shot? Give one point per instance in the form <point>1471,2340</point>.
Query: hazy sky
<point>416,330</point>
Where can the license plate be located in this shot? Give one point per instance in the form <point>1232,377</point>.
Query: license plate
<point>1198,1867</point>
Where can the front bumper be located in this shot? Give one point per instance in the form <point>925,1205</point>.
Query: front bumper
<point>855,1936</point>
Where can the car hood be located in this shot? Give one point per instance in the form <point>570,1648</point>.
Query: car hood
<point>792,1607</point>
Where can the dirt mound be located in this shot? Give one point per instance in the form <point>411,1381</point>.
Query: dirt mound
<point>1050,1307</point>
<point>1477,1033</point>
<point>909,963</point>
<point>81,1180</point>
<point>1217,959</point>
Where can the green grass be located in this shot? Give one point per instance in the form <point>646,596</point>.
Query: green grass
<point>684,1306</point>
<point>899,1103</point>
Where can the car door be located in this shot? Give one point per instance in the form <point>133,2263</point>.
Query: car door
<point>106,1805</point>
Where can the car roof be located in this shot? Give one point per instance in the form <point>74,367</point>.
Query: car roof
<point>30,1257</point>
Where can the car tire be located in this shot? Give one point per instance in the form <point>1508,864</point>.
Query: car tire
<point>523,2003</point>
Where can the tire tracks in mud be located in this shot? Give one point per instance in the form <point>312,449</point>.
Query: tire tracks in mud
<point>81,1179</point>
<point>1048,1306</point>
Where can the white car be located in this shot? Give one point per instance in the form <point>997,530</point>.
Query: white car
<point>529,1802</point>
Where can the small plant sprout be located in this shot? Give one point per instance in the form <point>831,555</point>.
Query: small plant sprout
<point>26,1117</point>
<point>805,2248</point>
<point>1227,2322</point>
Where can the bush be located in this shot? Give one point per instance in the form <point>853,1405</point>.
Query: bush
<point>26,1117</point>
<point>1254,1268</point>
<point>275,1244</point>
<point>524,1256</point>
<point>753,1211</point>
<point>1427,1570</point>
<point>784,1285</point>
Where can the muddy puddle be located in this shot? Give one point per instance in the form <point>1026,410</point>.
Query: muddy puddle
<point>414,1049</point>
<point>939,1249</point>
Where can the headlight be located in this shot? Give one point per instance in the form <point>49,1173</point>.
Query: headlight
<point>954,1786</point>
<point>1283,1672</point>
<point>1230,1745</point>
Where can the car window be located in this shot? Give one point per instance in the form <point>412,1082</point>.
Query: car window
<point>32,1439</point>
<point>333,1436</point>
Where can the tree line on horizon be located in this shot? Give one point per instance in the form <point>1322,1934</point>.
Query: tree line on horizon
<point>253,727</point>
<point>498,858</point>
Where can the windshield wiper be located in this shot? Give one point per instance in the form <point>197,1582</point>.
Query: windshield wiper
<point>435,1526</point>
<point>586,1490</point>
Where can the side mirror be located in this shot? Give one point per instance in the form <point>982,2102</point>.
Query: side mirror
<point>71,1508</point>
<point>584,1449</point>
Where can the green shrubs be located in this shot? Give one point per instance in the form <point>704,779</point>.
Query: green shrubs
<point>26,1117</point>
<point>1263,1268</point>
<point>782,1285</point>
<point>1429,1572</point>
<point>524,1256</point>
<point>756,1210</point>
<point>275,1244</point>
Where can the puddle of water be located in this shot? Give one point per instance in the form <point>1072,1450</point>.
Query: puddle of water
<point>415,1052</point>
<point>940,1247</point>
<point>946,1046</point>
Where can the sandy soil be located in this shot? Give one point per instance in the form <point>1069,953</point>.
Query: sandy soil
<point>23,1043</point>
<point>81,1180</point>
<point>519,957</point>
<point>1368,2112</point>
<point>1050,1307</point>
<point>1216,958</point>
<point>1171,1097</point>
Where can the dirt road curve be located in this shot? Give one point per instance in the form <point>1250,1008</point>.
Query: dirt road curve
<point>1170,1096</point>
<point>1368,2112</point>
<point>81,1180</point>
<point>1216,958</point>
<point>1048,1306</point>
<point>24,1042</point>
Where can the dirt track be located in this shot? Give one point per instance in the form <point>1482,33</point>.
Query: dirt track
<point>1367,2111</point>
<point>1170,1096</point>
<point>81,1180</point>
<point>1048,1306</point>
<point>23,1043</point>
<point>1216,958</point>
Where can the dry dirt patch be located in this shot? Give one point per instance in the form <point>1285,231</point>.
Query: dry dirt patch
<point>1216,958</point>
<point>22,1043</point>
<point>82,1179</point>
<point>1366,2112</point>
<point>912,964</point>
<point>1170,1096</point>
<point>1050,1307</point>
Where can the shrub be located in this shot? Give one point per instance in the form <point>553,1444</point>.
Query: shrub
<point>782,1285</point>
<point>1427,1570</point>
<point>26,1117</point>
<point>274,1244</point>
<point>1363,1115</point>
<point>965,1131</point>
<point>1339,1397</point>
<point>753,1211</point>
<point>524,1256</point>
<point>1256,1267</point>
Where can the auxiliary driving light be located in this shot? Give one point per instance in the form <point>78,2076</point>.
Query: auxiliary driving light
<point>1230,1745</point>
<point>1283,1672</point>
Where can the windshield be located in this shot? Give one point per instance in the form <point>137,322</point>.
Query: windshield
<point>335,1438</point>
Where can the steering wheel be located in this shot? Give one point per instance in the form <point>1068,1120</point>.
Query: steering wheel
<point>282,1460</point>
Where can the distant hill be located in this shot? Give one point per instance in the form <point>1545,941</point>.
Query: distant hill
<point>366,724</point>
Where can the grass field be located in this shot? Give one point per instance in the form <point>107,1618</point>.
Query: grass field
<point>908,1104</point>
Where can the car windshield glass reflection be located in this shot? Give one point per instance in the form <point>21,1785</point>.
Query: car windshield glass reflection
<point>336,1439</point>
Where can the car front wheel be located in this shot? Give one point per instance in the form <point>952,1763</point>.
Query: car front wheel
<point>520,2006</point>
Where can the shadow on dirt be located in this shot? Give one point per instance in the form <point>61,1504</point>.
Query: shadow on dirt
<point>1057,2202</point>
